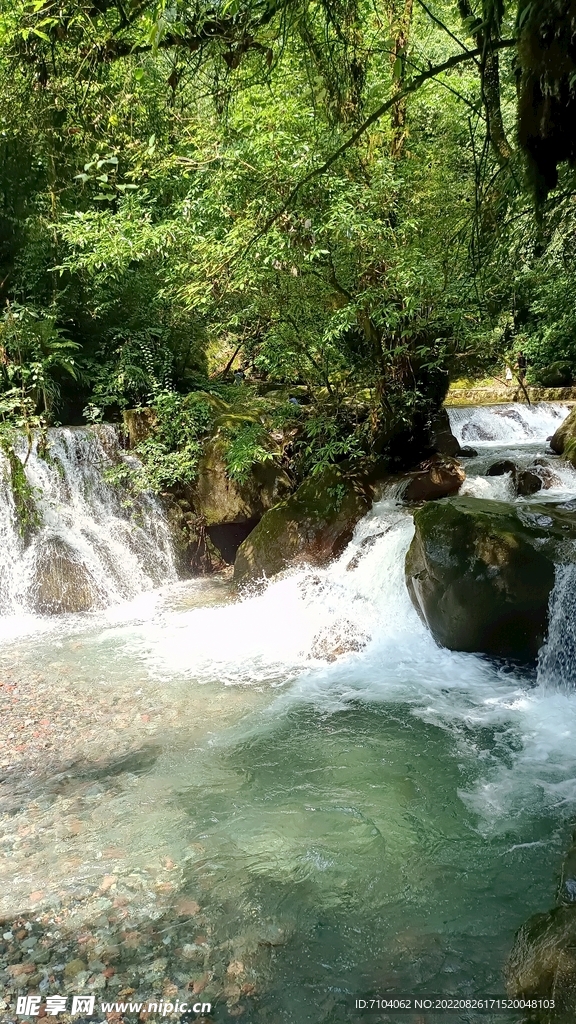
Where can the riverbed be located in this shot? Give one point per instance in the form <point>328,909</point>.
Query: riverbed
<point>279,801</point>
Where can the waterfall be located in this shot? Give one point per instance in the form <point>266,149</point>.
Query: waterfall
<point>557,659</point>
<point>506,424</point>
<point>96,544</point>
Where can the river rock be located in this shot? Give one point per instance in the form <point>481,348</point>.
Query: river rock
<point>502,467</point>
<point>542,963</point>
<point>438,477</point>
<point>480,572</point>
<point>313,525</point>
<point>442,438</point>
<point>467,452</point>
<point>61,582</point>
<point>219,499</point>
<point>526,481</point>
<point>563,442</point>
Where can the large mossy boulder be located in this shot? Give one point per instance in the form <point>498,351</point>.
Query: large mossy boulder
<point>480,573</point>
<point>220,499</point>
<point>313,525</point>
<point>563,441</point>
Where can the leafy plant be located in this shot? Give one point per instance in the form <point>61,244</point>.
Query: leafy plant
<point>248,446</point>
<point>170,454</point>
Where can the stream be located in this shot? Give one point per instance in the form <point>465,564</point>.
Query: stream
<point>284,800</point>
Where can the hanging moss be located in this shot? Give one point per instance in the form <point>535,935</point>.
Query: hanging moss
<point>29,518</point>
<point>547,93</point>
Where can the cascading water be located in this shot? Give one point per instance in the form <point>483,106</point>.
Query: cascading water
<point>557,659</point>
<point>285,799</point>
<point>506,424</point>
<point>96,545</point>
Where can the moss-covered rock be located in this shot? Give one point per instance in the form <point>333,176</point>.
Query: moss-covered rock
<point>563,441</point>
<point>139,424</point>
<point>480,572</point>
<point>314,525</point>
<point>219,499</point>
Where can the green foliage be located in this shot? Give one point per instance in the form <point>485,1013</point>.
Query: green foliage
<point>328,439</point>
<point>245,448</point>
<point>171,453</point>
<point>29,518</point>
<point>163,223</point>
<point>33,356</point>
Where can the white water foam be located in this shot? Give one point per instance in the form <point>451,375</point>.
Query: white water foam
<point>492,488</point>
<point>506,424</point>
<point>93,532</point>
<point>342,634</point>
<point>301,631</point>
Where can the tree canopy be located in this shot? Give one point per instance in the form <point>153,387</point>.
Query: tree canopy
<point>358,198</point>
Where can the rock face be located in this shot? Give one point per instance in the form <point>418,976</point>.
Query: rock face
<point>313,525</point>
<point>139,424</point>
<point>61,583</point>
<point>220,499</point>
<point>438,477</point>
<point>563,442</point>
<point>542,962</point>
<point>211,518</point>
<point>480,573</point>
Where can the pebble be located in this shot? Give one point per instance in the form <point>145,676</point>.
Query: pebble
<point>79,906</point>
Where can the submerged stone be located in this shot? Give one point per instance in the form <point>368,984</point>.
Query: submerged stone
<point>480,572</point>
<point>542,964</point>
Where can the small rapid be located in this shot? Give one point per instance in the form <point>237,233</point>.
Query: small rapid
<point>506,424</point>
<point>290,795</point>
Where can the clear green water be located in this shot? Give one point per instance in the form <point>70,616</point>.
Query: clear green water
<point>380,824</point>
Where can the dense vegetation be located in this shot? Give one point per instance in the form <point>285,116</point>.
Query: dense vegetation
<point>356,200</point>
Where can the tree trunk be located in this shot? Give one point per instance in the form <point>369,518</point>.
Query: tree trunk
<point>400,16</point>
<point>489,82</point>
